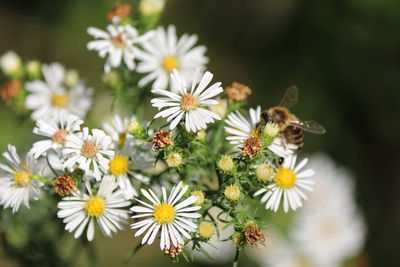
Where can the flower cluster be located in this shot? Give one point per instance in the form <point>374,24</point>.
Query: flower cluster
<point>201,151</point>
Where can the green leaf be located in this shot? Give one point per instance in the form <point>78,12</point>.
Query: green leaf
<point>205,252</point>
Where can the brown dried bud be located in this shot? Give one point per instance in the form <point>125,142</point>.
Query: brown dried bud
<point>173,251</point>
<point>63,185</point>
<point>161,139</point>
<point>119,10</point>
<point>10,90</point>
<point>251,146</point>
<point>253,235</point>
<point>238,91</point>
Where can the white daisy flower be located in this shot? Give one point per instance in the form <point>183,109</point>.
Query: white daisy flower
<point>329,237</point>
<point>165,52</point>
<point>92,152</point>
<point>107,207</point>
<point>16,184</point>
<point>288,183</point>
<point>173,218</point>
<point>56,130</point>
<point>188,104</point>
<point>241,128</point>
<point>50,96</point>
<point>221,108</point>
<point>329,229</point>
<point>118,43</point>
<point>117,129</point>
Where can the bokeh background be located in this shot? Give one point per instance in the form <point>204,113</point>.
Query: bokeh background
<point>343,55</point>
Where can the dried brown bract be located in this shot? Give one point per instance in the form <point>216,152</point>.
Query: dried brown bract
<point>119,10</point>
<point>10,91</point>
<point>173,251</point>
<point>238,91</point>
<point>161,139</point>
<point>63,185</point>
<point>251,146</point>
<point>254,236</point>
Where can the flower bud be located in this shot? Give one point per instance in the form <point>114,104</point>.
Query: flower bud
<point>200,197</point>
<point>226,164</point>
<point>136,129</point>
<point>151,7</point>
<point>71,78</point>
<point>11,64</point>
<point>264,172</point>
<point>174,160</point>
<point>201,135</point>
<point>206,230</point>
<point>33,69</point>
<point>232,192</point>
<point>271,129</point>
<point>111,78</point>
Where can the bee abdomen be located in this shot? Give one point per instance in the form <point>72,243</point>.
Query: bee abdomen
<point>294,135</point>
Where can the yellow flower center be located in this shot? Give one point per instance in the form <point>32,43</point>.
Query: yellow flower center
<point>328,229</point>
<point>263,172</point>
<point>285,178</point>
<point>89,150</point>
<point>232,192</point>
<point>121,139</point>
<point>60,101</point>
<point>119,165</point>
<point>206,230</point>
<point>170,63</point>
<point>59,136</point>
<point>174,160</point>
<point>219,108</point>
<point>200,198</point>
<point>189,102</point>
<point>95,206</point>
<point>118,42</point>
<point>22,178</point>
<point>164,213</point>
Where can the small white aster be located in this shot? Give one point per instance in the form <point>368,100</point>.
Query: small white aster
<point>288,183</point>
<point>107,207</point>
<point>188,104</point>
<point>50,96</point>
<point>56,130</point>
<point>118,43</point>
<point>92,152</point>
<point>329,229</point>
<point>173,218</point>
<point>117,130</point>
<point>125,164</point>
<point>16,184</point>
<point>241,128</point>
<point>165,52</point>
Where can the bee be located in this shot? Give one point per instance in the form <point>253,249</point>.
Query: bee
<point>290,126</point>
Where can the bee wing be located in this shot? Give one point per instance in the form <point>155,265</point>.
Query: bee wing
<point>309,126</point>
<point>289,97</point>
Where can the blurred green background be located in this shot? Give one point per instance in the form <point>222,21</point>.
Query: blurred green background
<point>343,55</point>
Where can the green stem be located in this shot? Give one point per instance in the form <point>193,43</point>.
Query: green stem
<point>235,263</point>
